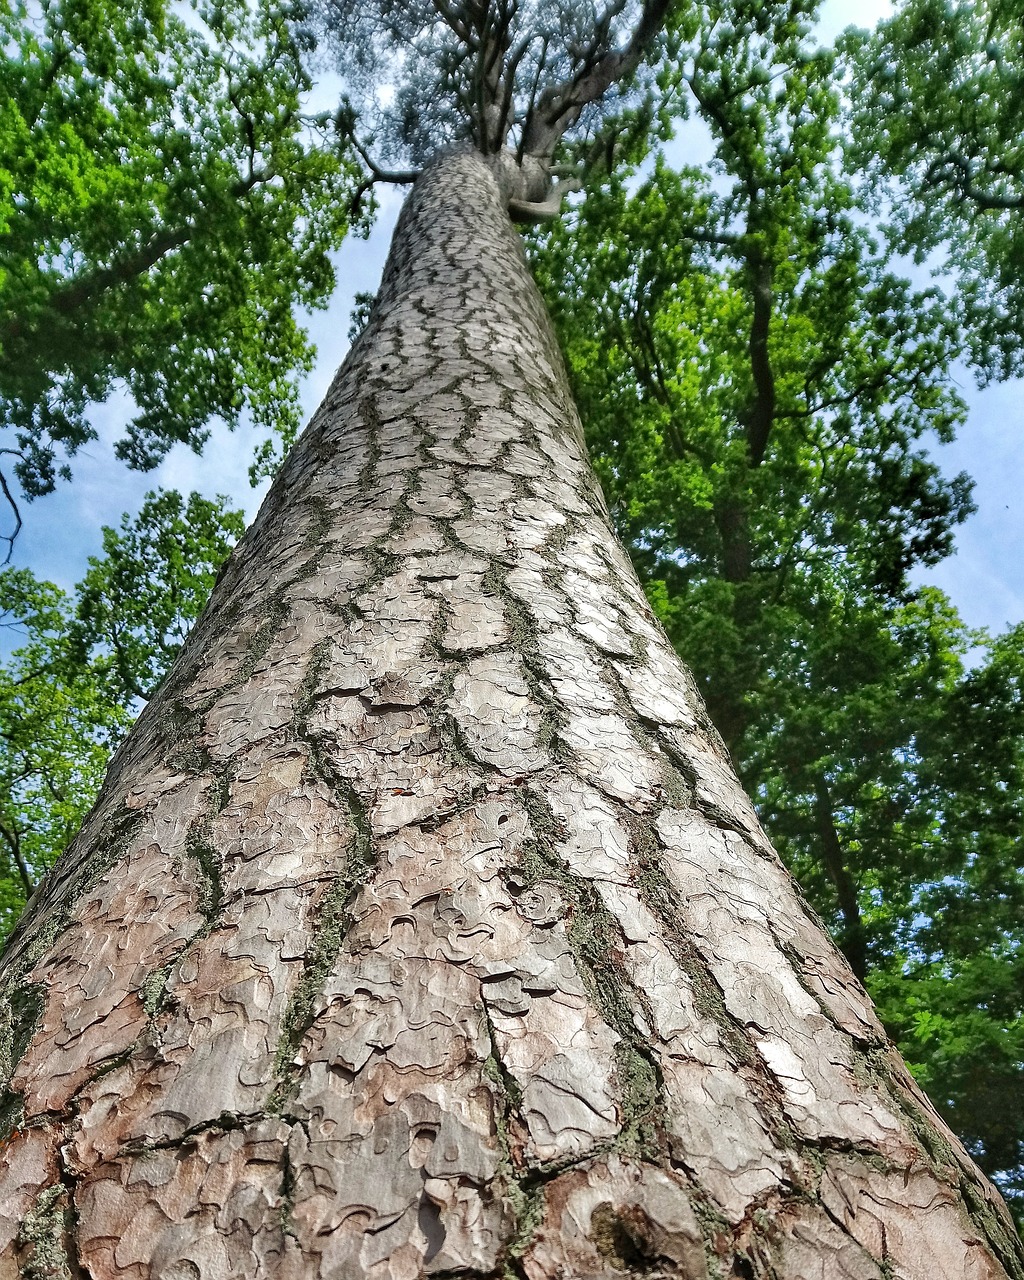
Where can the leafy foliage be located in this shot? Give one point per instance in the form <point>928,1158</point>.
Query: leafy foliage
<point>163,211</point>
<point>57,728</point>
<point>937,122</point>
<point>138,601</point>
<point>952,988</point>
<point>79,665</point>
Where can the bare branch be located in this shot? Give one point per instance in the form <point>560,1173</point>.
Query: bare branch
<point>534,91</point>
<point>12,839</point>
<point>720,238</point>
<point>10,538</point>
<point>377,174</point>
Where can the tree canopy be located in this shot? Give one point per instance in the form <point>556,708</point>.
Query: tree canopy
<point>515,77</point>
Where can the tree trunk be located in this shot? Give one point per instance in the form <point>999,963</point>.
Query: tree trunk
<point>422,928</point>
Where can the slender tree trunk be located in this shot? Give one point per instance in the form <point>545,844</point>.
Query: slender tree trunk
<point>423,928</point>
<point>833,857</point>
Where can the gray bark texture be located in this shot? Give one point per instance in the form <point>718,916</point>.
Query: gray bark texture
<point>423,928</point>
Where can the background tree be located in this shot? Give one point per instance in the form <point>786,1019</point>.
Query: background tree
<point>76,668</point>
<point>165,207</point>
<point>955,998</point>
<point>56,727</point>
<point>138,601</point>
<point>936,124</point>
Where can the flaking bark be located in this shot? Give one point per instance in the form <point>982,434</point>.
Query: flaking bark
<point>422,928</point>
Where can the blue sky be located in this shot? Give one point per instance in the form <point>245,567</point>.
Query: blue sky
<point>985,578</point>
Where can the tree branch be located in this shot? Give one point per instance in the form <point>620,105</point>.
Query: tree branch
<point>10,538</point>
<point>846,889</point>
<point>377,174</point>
<point>82,290</point>
<point>956,171</point>
<point>724,239</point>
<point>13,842</point>
<point>543,210</point>
<point>762,410</point>
<point>453,20</point>
<point>560,105</point>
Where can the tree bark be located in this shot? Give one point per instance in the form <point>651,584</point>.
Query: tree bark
<point>422,928</point>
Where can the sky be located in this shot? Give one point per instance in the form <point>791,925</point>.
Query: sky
<point>985,578</point>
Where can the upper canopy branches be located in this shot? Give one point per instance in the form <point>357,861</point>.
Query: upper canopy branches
<point>520,74</point>
<point>936,126</point>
